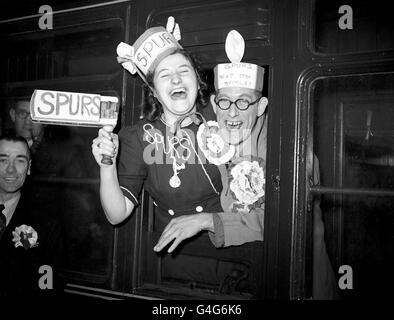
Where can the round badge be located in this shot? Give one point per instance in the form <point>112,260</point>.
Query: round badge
<point>210,142</point>
<point>175,182</point>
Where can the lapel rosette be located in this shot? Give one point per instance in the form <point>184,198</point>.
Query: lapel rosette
<point>25,236</point>
<point>247,184</point>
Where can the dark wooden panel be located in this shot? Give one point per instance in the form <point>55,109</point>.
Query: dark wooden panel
<point>204,26</point>
<point>373,27</point>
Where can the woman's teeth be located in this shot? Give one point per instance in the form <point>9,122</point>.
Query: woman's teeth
<point>178,93</point>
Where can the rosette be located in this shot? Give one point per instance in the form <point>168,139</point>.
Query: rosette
<point>210,142</point>
<point>247,185</point>
<point>25,236</point>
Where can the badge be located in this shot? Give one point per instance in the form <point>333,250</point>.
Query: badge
<point>175,182</point>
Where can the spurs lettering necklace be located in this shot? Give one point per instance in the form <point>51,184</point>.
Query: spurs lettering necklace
<point>175,182</point>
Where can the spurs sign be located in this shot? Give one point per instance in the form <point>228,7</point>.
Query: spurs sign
<point>74,108</point>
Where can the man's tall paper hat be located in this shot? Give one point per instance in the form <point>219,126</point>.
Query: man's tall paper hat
<point>237,73</point>
<point>150,48</point>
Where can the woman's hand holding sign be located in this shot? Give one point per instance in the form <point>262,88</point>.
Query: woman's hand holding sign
<point>106,143</point>
<point>80,109</point>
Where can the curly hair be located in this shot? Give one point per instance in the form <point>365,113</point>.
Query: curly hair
<point>152,108</point>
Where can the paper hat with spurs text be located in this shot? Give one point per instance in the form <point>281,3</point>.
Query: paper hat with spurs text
<point>237,73</point>
<point>150,48</point>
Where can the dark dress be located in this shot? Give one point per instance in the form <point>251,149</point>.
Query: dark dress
<point>146,161</point>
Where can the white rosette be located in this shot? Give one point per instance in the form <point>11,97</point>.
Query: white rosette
<point>248,182</point>
<point>214,148</point>
<point>25,233</point>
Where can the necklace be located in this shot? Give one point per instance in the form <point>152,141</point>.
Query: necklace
<point>174,181</point>
<point>172,126</point>
<point>165,122</point>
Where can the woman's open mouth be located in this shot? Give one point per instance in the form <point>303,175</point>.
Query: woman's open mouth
<point>179,93</point>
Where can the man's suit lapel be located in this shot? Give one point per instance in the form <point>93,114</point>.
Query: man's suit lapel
<point>20,216</point>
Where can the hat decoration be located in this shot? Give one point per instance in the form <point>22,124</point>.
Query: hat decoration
<point>149,49</point>
<point>234,46</point>
<point>237,73</point>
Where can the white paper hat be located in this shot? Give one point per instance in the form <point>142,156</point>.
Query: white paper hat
<point>237,73</point>
<point>152,46</point>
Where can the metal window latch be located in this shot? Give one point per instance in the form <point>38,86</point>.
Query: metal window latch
<point>276,182</point>
<point>369,121</point>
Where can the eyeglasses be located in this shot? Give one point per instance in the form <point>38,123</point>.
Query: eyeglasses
<point>241,104</point>
<point>22,114</point>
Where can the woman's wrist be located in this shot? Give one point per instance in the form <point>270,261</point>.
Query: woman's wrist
<point>207,222</point>
<point>108,171</point>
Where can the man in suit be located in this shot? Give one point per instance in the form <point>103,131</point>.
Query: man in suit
<point>19,265</point>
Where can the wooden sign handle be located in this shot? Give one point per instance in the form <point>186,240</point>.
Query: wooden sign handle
<point>107,159</point>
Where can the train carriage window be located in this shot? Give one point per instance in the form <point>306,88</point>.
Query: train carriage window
<point>198,269</point>
<point>87,235</point>
<point>353,125</point>
<point>372,27</point>
<point>69,51</point>
<point>78,55</point>
<point>64,184</point>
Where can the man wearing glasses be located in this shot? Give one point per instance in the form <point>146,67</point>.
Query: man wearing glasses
<point>23,124</point>
<point>240,112</point>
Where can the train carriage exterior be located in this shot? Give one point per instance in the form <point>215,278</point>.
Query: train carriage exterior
<point>330,86</point>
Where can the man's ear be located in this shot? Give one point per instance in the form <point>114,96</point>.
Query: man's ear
<point>12,114</point>
<point>214,106</point>
<point>262,106</point>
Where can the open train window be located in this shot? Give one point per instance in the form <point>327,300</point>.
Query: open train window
<point>204,271</point>
<point>64,184</point>
<point>77,55</point>
<point>372,27</point>
<point>353,138</point>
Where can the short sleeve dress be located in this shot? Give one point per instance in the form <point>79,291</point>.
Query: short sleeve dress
<point>170,167</point>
